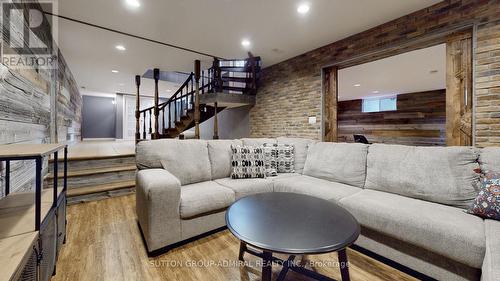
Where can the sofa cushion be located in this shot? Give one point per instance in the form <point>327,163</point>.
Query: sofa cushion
<point>489,159</point>
<point>491,263</point>
<point>314,187</point>
<point>185,159</point>
<point>247,162</point>
<point>339,162</point>
<point>245,187</point>
<point>204,197</point>
<point>442,229</point>
<point>219,152</point>
<point>257,141</point>
<point>300,150</point>
<point>437,174</point>
<point>270,159</point>
<point>286,158</point>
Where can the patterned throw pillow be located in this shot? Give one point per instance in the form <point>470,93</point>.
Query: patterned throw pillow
<point>286,158</point>
<point>487,202</point>
<point>247,162</point>
<point>271,157</point>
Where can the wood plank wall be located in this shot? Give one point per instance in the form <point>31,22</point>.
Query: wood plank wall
<point>25,113</point>
<point>420,119</point>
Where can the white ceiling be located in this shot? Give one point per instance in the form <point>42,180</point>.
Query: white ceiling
<point>277,32</point>
<point>405,73</point>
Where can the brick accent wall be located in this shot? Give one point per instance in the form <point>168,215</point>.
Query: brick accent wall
<point>291,90</point>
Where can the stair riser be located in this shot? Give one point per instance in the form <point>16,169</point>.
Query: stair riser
<point>97,179</point>
<point>75,165</point>
<point>100,195</point>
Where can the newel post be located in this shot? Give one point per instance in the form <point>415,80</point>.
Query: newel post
<point>137,110</point>
<point>156,76</point>
<point>197,99</point>
<point>216,123</point>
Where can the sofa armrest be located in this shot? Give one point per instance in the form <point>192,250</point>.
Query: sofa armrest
<point>491,263</point>
<point>158,196</point>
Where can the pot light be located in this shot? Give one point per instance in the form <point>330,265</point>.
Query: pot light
<point>120,48</point>
<point>357,85</point>
<point>115,71</point>
<point>133,3</point>
<point>245,43</point>
<point>303,8</point>
<point>375,92</point>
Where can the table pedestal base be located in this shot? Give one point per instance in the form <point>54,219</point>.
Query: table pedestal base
<point>268,259</point>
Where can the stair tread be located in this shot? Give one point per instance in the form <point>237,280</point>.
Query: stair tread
<point>71,192</point>
<point>87,172</point>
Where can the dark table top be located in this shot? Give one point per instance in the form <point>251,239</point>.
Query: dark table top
<point>292,223</point>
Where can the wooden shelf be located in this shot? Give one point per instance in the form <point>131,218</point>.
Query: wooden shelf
<point>17,212</point>
<point>29,150</point>
<point>14,251</point>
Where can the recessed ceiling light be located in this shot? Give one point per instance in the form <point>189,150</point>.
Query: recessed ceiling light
<point>245,43</point>
<point>357,85</point>
<point>303,8</point>
<point>120,47</point>
<point>115,71</point>
<point>375,92</point>
<point>133,3</point>
<point>168,90</point>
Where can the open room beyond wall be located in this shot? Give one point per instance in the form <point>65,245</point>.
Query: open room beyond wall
<point>291,91</point>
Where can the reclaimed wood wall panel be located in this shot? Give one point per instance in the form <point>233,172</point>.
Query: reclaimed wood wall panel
<point>420,119</point>
<point>26,105</point>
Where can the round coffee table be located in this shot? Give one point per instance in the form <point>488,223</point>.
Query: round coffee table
<point>293,224</point>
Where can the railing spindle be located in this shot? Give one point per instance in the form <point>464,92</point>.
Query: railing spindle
<point>163,120</point>
<point>144,126</point>
<point>182,110</point>
<point>202,81</point>
<point>175,110</point>
<point>170,115</point>
<point>150,117</point>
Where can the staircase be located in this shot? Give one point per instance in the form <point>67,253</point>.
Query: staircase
<point>228,83</point>
<point>91,178</point>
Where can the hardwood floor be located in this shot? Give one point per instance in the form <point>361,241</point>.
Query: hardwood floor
<point>89,149</point>
<point>104,243</point>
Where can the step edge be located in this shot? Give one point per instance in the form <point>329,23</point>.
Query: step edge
<point>90,172</point>
<point>73,192</point>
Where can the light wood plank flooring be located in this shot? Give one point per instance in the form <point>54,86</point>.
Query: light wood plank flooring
<point>89,149</point>
<point>104,243</point>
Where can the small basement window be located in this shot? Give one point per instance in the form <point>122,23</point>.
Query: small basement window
<point>379,104</point>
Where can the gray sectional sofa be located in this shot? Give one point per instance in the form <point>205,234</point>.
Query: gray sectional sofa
<point>409,201</point>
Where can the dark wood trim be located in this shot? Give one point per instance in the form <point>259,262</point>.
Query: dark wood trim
<point>330,100</point>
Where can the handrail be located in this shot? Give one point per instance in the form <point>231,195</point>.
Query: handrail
<point>177,109</point>
<point>174,95</point>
